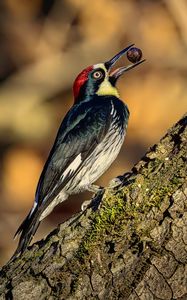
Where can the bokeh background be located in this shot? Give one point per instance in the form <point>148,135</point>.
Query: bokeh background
<point>43,46</point>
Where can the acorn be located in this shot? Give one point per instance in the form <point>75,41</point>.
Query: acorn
<point>134,54</point>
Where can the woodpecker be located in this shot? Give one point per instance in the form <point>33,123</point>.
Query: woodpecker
<point>88,141</point>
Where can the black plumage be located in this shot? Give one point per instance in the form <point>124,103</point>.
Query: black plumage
<point>88,141</point>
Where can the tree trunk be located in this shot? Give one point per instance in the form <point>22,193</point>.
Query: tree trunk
<point>133,247</point>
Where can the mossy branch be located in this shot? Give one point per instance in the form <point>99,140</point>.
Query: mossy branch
<point>133,247</point>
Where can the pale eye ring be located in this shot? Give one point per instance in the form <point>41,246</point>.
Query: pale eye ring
<point>97,75</point>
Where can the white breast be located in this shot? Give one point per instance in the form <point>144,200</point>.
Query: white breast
<point>101,158</point>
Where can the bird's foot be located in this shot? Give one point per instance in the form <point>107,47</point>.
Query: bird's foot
<point>119,181</point>
<point>94,188</point>
<point>94,202</point>
<point>86,204</point>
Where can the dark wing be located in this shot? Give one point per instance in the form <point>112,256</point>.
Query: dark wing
<point>83,128</point>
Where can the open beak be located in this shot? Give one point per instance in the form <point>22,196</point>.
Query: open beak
<point>118,72</point>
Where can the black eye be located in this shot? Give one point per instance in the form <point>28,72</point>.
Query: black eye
<point>97,75</point>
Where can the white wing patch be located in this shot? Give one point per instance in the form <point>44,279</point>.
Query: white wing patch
<point>73,166</point>
<point>33,208</point>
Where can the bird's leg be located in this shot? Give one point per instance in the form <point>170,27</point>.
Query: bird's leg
<point>94,188</point>
<point>119,181</point>
<point>98,192</point>
<point>86,204</point>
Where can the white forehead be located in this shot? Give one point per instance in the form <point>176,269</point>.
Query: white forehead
<point>102,66</point>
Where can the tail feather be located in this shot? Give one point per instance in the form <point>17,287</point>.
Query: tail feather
<point>22,226</point>
<point>26,230</point>
<point>29,226</point>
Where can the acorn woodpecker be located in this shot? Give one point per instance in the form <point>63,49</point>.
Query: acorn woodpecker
<point>87,142</point>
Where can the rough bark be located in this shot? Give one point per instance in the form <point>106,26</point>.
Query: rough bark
<point>133,247</point>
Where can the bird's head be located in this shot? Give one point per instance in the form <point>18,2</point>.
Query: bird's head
<point>99,80</point>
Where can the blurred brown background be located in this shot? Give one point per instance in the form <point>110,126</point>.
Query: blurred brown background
<point>43,46</point>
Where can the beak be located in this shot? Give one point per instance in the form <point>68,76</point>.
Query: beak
<point>118,72</point>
